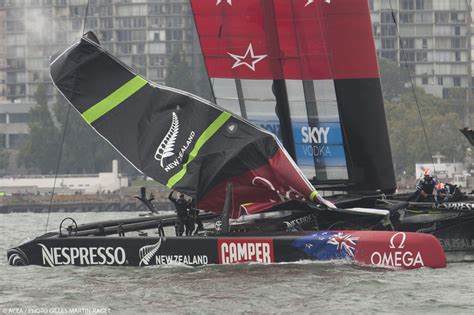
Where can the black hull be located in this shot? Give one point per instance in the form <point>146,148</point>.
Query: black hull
<point>198,251</point>
<point>97,243</point>
<point>192,251</point>
<point>457,239</point>
<point>125,251</point>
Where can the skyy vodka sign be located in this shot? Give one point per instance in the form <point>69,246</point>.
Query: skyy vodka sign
<point>319,143</point>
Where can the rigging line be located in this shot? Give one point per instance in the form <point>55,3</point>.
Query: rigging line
<point>85,17</point>
<point>402,49</point>
<point>63,138</point>
<point>212,97</point>
<point>215,63</point>
<point>208,70</point>
<point>57,167</point>
<point>232,201</point>
<point>219,45</point>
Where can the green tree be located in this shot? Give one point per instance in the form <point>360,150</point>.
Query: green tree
<point>407,139</point>
<point>178,73</point>
<point>84,151</point>
<point>393,79</point>
<point>201,80</point>
<point>4,158</point>
<point>40,148</point>
<point>458,97</point>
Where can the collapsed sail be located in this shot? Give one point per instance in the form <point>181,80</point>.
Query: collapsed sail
<point>174,137</point>
<point>315,62</point>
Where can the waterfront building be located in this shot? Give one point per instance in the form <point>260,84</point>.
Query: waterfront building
<point>431,37</point>
<point>141,33</point>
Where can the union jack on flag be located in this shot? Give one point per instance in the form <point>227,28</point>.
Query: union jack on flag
<point>328,245</point>
<point>344,242</point>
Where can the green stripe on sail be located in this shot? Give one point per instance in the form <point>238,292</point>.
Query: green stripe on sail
<point>206,135</point>
<point>114,99</point>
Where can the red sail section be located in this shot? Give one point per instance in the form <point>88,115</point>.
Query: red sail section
<point>277,181</point>
<point>286,39</point>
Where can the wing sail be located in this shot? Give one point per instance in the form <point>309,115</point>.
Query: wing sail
<point>176,138</point>
<point>315,61</point>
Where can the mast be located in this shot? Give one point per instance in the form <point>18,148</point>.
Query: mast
<point>282,107</point>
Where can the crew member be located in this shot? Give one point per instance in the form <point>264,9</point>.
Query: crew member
<point>194,219</point>
<point>182,209</point>
<point>442,194</point>
<point>425,187</point>
<point>455,194</point>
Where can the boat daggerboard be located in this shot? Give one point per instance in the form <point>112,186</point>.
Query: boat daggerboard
<point>174,137</point>
<point>317,59</point>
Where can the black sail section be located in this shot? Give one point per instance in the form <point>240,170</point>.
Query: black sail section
<point>176,138</point>
<point>366,135</point>
<point>86,60</point>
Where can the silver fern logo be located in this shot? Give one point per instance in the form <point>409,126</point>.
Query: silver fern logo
<point>166,149</point>
<point>146,253</point>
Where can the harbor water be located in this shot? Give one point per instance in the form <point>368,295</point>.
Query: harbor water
<point>305,287</point>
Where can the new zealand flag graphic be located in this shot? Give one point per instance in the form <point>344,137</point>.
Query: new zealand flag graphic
<point>328,245</point>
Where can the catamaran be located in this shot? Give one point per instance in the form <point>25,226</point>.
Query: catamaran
<point>297,103</point>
